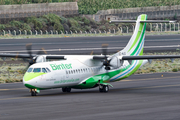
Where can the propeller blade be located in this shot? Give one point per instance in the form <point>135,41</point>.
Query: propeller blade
<point>29,48</point>
<point>41,51</point>
<point>104,49</point>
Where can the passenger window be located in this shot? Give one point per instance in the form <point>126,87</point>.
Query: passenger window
<point>48,69</point>
<point>44,70</point>
<point>30,70</point>
<point>37,70</point>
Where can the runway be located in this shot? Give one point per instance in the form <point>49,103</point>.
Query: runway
<point>87,45</point>
<point>139,97</point>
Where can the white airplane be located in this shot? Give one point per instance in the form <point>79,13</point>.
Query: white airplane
<point>88,71</point>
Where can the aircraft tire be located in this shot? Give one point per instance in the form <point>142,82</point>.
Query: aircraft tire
<point>68,89</point>
<point>33,93</point>
<point>105,88</point>
<point>64,89</point>
<point>100,90</point>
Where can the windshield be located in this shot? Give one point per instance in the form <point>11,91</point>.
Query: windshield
<point>30,70</point>
<point>37,70</point>
<point>48,69</point>
<point>44,70</point>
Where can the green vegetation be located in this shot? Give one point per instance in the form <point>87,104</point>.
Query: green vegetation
<point>92,6</point>
<point>53,22</point>
<point>161,65</point>
<point>10,2</point>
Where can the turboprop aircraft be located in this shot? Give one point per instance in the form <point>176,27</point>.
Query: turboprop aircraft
<point>88,71</point>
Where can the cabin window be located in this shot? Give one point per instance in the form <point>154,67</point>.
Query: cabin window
<point>48,69</point>
<point>30,70</point>
<point>37,70</point>
<point>44,70</point>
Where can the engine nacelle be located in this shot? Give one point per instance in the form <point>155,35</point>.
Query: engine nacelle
<point>116,62</point>
<point>40,59</point>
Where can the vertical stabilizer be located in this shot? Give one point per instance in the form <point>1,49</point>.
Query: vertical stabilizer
<point>136,43</point>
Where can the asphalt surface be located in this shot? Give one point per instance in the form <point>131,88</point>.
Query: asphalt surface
<point>86,45</point>
<point>139,97</point>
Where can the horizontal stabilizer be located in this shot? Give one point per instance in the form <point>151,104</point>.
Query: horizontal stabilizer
<point>145,57</point>
<point>142,21</point>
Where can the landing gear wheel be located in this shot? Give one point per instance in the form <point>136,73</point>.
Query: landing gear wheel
<point>33,92</point>
<point>66,89</point>
<point>100,90</point>
<point>104,88</point>
<point>63,89</point>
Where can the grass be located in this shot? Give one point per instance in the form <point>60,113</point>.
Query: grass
<point>161,65</point>
<point>14,72</point>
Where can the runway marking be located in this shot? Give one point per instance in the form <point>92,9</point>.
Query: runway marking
<point>14,98</point>
<point>3,89</point>
<point>12,89</point>
<point>153,87</point>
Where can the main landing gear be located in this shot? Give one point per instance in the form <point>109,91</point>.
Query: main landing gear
<point>66,89</point>
<point>103,88</point>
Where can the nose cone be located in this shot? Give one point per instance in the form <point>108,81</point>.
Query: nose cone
<point>28,80</point>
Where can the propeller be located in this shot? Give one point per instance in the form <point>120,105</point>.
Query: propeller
<point>33,57</point>
<point>106,62</point>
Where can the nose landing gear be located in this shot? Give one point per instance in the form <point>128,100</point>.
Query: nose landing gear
<point>34,92</point>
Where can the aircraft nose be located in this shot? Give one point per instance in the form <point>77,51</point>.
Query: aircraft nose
<point>28,82</point>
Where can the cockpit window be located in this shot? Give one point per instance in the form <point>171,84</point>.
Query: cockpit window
<point>44,70</point>
<point>48,69</point>
<point>37,70</point>
<point>30,70</point>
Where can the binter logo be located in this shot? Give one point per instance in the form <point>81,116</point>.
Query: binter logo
<point>61,66</point>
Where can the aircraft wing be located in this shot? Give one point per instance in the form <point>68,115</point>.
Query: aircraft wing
<point>15,55</point>
<point>149,57</point>
<point>30,56</point>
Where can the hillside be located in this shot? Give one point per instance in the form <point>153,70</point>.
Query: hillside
<point>57,23</point>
